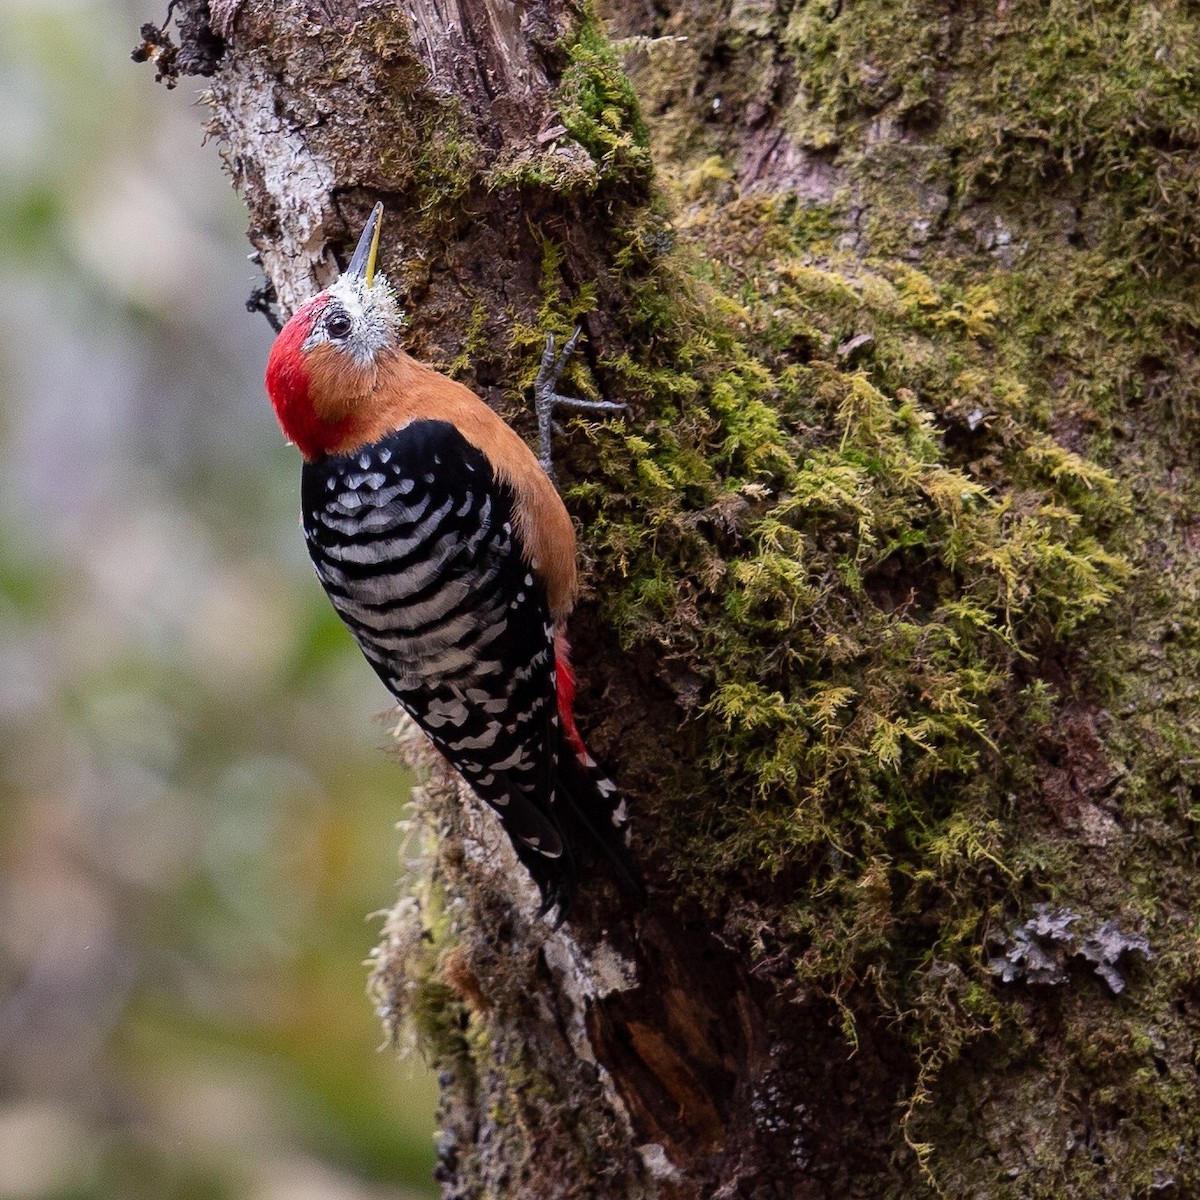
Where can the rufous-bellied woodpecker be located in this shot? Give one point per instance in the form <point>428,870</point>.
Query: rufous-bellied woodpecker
<point>446,550</point>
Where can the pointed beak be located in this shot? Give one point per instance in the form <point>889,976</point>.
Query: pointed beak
<point>362,264</point>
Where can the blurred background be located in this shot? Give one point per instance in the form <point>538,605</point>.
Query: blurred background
<point>197,815</point>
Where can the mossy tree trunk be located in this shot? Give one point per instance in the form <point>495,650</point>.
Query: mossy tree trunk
<point>892,567</point>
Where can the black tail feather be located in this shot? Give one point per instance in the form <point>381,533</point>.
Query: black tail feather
<point>556,878</point>
<point>590,817</point>
<point>593,818</point>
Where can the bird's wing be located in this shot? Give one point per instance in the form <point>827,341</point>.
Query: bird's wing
<point>415,541</point>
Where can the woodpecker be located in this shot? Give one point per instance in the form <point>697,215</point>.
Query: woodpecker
<point>447,551</point>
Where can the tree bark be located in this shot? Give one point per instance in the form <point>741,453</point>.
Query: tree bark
<point>890,628</point>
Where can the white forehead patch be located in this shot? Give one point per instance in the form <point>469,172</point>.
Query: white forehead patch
<point>375,318</point>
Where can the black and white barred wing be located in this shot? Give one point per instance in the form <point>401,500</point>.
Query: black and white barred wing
<point>413,539</point>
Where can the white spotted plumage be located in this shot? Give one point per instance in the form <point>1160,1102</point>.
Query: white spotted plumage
<point>425,570</point>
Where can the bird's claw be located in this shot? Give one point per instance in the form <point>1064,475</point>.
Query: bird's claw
<point>552,367</point>
<point>546,399</point>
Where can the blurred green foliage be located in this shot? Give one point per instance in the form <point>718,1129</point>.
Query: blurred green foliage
<point>195,812</point>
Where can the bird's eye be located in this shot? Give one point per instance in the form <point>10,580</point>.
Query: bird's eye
<point>338,325</point>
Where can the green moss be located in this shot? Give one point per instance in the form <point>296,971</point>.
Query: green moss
<point>474,340</point>
<point>602,139</point>
<point>917,526</point>
<point>409,982</point>
<point>848,706</point>
<point>925,523</point>
<point>870,557</point>
<point>599,106</point>
<point>1041,93</point>
<point>435,169</point>
<point>423,146</point>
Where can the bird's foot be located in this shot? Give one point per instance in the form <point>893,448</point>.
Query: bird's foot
<point>546,399</point>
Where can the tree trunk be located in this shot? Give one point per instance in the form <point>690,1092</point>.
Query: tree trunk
<point>892,565</point>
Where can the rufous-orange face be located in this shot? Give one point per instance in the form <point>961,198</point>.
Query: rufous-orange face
<point>326,370</point>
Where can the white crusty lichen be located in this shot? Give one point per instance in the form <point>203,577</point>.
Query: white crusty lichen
<point>299,183</point>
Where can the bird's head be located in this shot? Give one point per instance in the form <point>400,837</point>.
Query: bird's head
<point>323,376</point>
